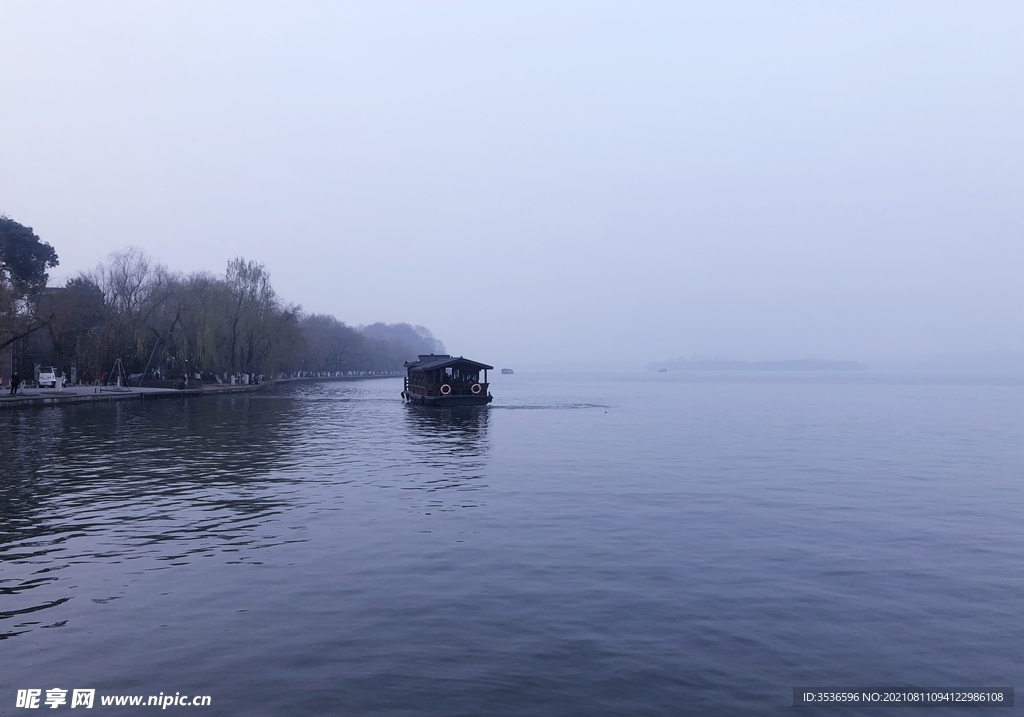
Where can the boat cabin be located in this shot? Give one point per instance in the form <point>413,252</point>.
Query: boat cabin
<point>443,380</point>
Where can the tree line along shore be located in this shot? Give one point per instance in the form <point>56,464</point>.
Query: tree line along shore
<point>133,314</point>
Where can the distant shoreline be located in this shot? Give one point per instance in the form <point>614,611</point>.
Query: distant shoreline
<point>793,365</point>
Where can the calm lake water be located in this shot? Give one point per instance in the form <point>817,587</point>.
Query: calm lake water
<point>587,545</point>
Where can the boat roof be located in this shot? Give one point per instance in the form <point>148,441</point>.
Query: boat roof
<point>429,362</point>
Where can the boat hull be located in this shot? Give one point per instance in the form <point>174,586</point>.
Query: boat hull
<point>447,400</point>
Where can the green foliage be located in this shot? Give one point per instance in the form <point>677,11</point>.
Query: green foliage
<point>24,258</point>
<point>77,313</point>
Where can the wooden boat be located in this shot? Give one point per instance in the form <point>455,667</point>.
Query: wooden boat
<point>443,380</point>
<point>507,371</point>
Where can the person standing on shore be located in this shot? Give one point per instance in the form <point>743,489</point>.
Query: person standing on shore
<point>15,382</point>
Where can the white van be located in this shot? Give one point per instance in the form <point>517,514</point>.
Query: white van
<point>49,376</point>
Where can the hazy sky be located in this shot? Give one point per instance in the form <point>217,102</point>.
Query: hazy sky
<point>546,181</point>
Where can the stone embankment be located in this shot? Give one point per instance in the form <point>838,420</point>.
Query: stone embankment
<point>90,394</point>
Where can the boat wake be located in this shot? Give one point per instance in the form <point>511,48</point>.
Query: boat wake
<point>550,407</point>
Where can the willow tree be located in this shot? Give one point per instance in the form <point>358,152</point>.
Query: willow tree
<point>135,290</point>
<point>257,321</point>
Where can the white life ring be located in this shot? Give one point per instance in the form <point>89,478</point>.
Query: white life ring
<point>477,388</point>
<point>445,389</point>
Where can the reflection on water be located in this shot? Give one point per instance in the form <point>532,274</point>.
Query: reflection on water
<point>157,482</point>
<point>163,483</point>
<point>632,546</point>
<point>450,449</point>
<point>456,437</point>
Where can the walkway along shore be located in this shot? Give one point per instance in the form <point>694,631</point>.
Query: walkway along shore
<point>94,394</point>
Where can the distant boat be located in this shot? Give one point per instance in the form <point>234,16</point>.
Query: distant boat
<point>507,371</point>
<point>443,380</point>
<point>662,370</point>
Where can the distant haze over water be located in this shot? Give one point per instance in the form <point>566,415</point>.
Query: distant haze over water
<point>722,365</point>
